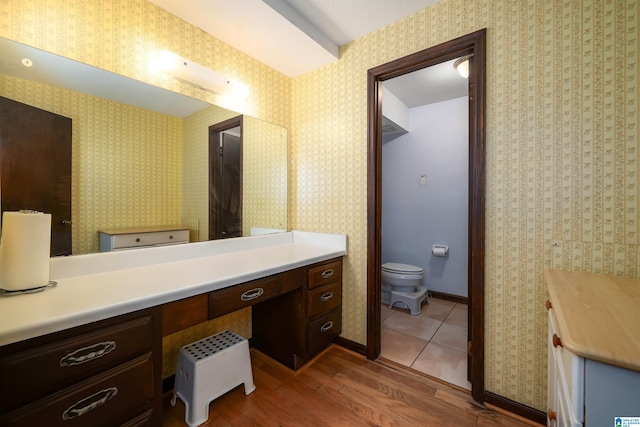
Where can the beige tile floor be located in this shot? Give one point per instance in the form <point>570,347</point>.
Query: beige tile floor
<point>434,342</point>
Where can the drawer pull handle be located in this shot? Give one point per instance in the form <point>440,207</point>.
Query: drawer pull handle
<point>90,403</point>
<point>326,326</point>
<point>327,273</point>
<point>556,341</point>
<point>548,304</point>
<point>553,416</point>
<point>252,294</point>
<point>87,354</point>
<point>326,297</point>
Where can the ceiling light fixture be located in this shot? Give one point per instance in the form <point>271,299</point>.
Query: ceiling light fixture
<point>199,75</point>
<point>462,65</point>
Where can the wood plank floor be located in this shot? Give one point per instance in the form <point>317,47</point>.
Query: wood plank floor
<point>341,388</point>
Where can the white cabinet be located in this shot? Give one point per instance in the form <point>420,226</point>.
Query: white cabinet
<point>610,392</point>
<point>117,240</point>
<point>565,382</point>
<point>582,391</point>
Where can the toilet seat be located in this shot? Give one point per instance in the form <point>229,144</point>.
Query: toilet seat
<point>404,269</point>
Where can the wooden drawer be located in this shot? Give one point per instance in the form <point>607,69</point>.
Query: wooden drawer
<point>293,279</point>
<point>325,273</point>
<point>184,313</point>
<point>323,331</point>
<point>110,398</point>
<point>324,299</point>
<point>240,296</point>
<point>38,371</point>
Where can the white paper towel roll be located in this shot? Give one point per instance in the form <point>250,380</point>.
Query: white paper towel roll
<point>25,248</point>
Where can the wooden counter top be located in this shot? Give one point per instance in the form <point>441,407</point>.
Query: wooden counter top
<point>598,316</point>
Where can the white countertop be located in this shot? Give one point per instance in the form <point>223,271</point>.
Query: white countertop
<point>98,286</point>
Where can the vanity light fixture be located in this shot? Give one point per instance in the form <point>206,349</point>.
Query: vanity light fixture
<point>200,76</point>
<point>462,65</point>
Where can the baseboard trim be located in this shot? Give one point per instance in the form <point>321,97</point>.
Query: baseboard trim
<point>449,297</point>
<point>351,345</point>
<point>514,407</point>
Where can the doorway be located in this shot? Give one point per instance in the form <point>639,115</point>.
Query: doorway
<point>225,179</point>
<point>473,44</point>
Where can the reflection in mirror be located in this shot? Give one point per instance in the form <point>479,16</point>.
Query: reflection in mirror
<point>225,179</point>
<point>144,165</point>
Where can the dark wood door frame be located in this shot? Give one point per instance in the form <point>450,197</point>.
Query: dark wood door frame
<point>471,44</point>
<point>214,179</point>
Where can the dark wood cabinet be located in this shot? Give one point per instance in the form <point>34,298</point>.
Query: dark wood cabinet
<point>110,372</point>
<point>237,297</point>
<point>325,273</point>
<point>324,299</point>
<point>295,314</point>
<point>184,313</point>
<point>296,326</point>
<point>322,331</point>
<point>104,373</point>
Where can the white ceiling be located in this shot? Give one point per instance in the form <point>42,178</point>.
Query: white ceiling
<point>433,84</point>
<point>291,36</point>
<point>299,36</point>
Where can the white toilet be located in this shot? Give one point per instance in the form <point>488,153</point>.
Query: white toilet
<point>402,285</point>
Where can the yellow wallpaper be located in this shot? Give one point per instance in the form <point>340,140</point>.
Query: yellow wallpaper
<point>264,158</point>
<point>561,138</point>
<point>123,36</point>
<point>113,146</point>
<point>562,159</point>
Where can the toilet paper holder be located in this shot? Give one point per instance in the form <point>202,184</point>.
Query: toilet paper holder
<point>440,250</point>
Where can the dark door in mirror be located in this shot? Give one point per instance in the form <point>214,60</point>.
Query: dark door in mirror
<point>35,166</point>
<point>225,179</point>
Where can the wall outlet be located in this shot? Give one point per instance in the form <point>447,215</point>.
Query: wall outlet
<point>423,180</point>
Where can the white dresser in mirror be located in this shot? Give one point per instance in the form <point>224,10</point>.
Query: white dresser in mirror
<point>135,238</point>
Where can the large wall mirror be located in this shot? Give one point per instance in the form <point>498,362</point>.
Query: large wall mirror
<point>140,152</point>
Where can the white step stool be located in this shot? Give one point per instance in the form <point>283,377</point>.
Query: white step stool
<point>209,368</point>
<point>413,300</point>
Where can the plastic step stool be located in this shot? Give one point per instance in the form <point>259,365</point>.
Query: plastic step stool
<point>413,300</point>
<point>209,368</point>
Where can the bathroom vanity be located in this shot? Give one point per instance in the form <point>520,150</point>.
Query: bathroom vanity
<point>594,348</point>
<point>88,352</point>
